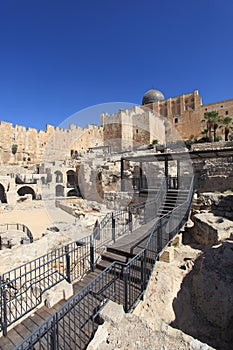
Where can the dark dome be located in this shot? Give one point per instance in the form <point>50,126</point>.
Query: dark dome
<point>152,96</point>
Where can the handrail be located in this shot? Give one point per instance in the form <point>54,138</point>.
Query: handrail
<point>69,262</point>
<point>107,286</point>
<point>19,227</point>
<point>166,216</point>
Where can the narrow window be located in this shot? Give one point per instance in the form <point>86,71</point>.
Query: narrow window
<point>226,112</point>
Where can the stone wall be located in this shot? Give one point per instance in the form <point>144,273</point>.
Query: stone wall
<point>129,129</point>
<point>214,174</point>
<point>19,145</point>
<point>186,113</point>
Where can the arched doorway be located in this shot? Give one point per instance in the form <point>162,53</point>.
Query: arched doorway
<point>2,194</point>
<point>26,190</point>
<point>59,176</point>
<point>71,178</point>
<point>74,193</point>
<point>59,191</point>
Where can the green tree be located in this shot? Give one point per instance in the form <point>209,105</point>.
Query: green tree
<point>188,143</point>
<point>212,120</point>
<point>205,133</point>
<point>226,123</point>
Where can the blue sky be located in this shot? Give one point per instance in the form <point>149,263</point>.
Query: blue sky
<point>60,56</point>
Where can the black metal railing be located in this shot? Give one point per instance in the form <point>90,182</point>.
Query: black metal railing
<point>74,324</point>
<point>5,228</point>
<point>22,288</point>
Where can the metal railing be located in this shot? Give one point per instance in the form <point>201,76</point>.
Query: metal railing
<point>4,228</point>
<point>74,324</point>
<point>22,288</point>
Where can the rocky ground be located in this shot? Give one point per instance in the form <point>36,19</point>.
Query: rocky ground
<point>188,303</point>
<point>51,227</point>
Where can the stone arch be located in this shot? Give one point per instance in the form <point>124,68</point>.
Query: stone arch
<point>26,190</point>
<point>59,191</point>
<point>73,193</point>
<point>2,194</point>
<point>59,176</point>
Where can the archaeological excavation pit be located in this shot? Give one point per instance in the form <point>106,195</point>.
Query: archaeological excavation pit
<point>204,304</point>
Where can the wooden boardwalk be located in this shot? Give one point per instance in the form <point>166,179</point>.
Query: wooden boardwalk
<point>22,330</point>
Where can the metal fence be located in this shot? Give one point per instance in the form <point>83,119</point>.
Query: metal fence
<point>5,228</point>
<point>74,324</point>
<point>22,288</point>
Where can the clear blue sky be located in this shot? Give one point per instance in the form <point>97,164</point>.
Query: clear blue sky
<point>60,56</point>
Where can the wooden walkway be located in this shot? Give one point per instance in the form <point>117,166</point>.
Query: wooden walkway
<point>22,330</point>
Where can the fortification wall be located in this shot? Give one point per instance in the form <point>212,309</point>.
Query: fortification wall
<point>19,145</point>
<point>132,128</point>
<point>186,113</point>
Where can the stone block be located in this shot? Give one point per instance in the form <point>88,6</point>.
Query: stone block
<point>177,241</point>
<point>167,255</point>
<point>100,337</point>
<point>62,290</point>
<point>112,312</point>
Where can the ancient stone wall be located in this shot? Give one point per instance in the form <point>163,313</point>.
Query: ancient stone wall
<point>19,145</point>
<point>214,174</point>
<point>186,113</point>
<point>129,129</point>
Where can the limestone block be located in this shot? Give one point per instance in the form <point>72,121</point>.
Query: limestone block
<point>167,255</point>
<point>62,290</point>
<point>100,337</point>
<point>177,241</point>
<point>112,312</point>
<point>12,197</point>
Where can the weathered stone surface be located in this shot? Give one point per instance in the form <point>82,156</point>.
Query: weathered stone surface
<point>167,255</point>
<point>62,290</point>
<point>209,229</point>
<point>112,312</point>
<point>99,338</point>
<point>133,333</point>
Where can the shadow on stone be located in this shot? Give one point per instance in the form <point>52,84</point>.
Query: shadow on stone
<point>204,304</point>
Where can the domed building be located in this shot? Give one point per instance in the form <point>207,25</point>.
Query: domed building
<point>152,96</point>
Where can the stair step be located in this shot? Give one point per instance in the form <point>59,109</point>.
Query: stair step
<point>102,264</point>
<point>120,252</point>
<point>111,257</point>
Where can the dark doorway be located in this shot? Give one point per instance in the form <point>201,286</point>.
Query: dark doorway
<point>2,194</point>
<point>26,190</point>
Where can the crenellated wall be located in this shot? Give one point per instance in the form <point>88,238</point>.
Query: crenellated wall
<point>19,145</point>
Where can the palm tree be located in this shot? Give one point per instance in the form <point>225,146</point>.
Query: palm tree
<point>226,123</point>
<point>205,133</point>
<point>212,121</point>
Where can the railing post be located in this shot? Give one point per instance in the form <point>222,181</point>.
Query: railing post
<point>68,277</point>
<point>53,336</point>
<point>4,323</point>
<point>92,258</point>
<point>126,291</point>
<point>113,228</point>
<point>130,221</point>
<point>159,236</point>
<point>143,271</point>
<point>171,224</point>
<point>144,218</point>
